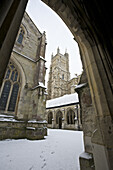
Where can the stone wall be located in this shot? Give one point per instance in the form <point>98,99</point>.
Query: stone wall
<point>10,128</point>
<point>88,121</point>
<point>28,57</point>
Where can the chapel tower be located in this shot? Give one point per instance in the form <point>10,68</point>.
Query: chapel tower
<point>59,75</point>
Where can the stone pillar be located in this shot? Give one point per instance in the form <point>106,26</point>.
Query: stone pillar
<point>40,68</point>
<point>11,13</point>
<point>63,119</point>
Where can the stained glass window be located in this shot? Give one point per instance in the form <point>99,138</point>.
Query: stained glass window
<point>4,95</point>
<point>10,89</point>
<point>13,98</point>
<point>21,36</point>
<point>7,74</point>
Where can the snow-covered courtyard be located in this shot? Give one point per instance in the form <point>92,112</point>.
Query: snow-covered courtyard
<point>60,150</point>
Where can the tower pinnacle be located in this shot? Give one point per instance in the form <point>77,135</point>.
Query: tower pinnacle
<point>58,50</point>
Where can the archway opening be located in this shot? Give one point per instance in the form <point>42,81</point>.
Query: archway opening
<point>59,119</point>
<point>50,117</point>
<point>96,52</point>
<point>60,37</point>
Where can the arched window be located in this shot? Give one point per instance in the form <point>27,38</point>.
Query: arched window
<point>70,117</point>
<point>58,115</point>
<point>50,117</point>
<point>5,95</point>
<point>20,36</point>
<point>10,89</point>
<point>13,98</point>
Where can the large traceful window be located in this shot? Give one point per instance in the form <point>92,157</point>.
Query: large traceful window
<point>10,89</point>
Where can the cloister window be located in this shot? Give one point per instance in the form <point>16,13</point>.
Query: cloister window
<point>10,89</point>
<point>20,36</point>
<point>70,117</point>
<point>50,117</point>
<point>58,116</point>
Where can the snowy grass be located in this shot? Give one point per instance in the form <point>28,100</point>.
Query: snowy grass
<point>59,151</point>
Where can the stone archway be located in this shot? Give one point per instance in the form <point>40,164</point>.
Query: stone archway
<point>59,119</point>
<point>97,64</point>
<point>50,117</point>
<point>94,36</point>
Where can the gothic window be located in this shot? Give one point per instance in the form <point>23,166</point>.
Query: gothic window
<point>13,98</point>
<point>70,117</point>
<point>58,116</point>
<point>50,117</point>
<point>20,36</point>
<point>5,95</point>
<point>10,89</point>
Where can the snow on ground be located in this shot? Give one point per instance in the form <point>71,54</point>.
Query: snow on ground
<point>59,151</point>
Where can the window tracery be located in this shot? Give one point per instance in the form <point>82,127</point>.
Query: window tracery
<point>10,89</point>
<point>20,36</point>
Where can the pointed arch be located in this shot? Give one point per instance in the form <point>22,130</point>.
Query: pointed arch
<point>70,116</point>
<point>10,89</point>
<point>50,117</point>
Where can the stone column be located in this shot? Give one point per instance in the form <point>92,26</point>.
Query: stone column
<point>63,119</point>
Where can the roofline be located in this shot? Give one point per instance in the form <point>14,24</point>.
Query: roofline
<point>62,105</point>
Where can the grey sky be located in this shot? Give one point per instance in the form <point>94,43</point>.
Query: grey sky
<point>57,34</point>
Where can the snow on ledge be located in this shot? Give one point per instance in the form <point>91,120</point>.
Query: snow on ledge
<point>86,155</point>
<point>40,84</point>
<point>80,85</point>
<point>9,120</point>
<point>36,121</point>
<point>30,128</point>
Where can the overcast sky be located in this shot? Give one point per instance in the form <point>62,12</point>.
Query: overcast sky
<point>57,33</point>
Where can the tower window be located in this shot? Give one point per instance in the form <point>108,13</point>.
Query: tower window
<point>62,76</point>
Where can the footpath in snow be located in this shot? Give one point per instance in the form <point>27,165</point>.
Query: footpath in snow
<point>59,151</point>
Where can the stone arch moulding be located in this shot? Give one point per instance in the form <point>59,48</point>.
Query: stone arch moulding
<point>12,76</point>
<point>23,83</point>
<point>21,71</point>
<point>97,69</point>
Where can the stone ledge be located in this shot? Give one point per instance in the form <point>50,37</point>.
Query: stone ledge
<point>22,129</point>
<point>86,161</point>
